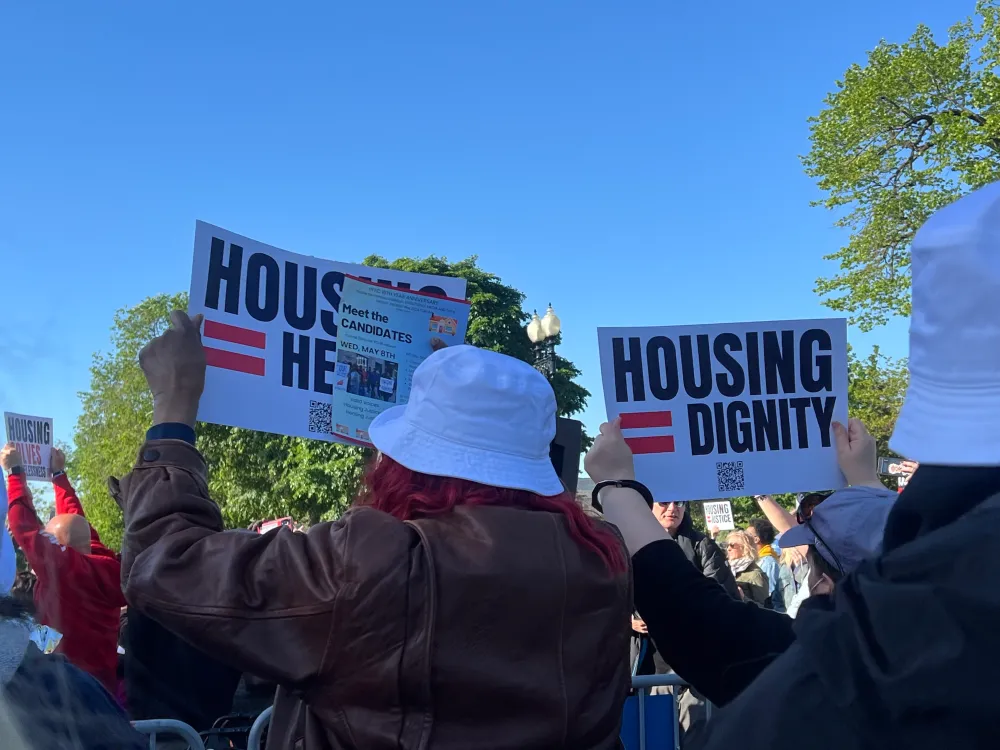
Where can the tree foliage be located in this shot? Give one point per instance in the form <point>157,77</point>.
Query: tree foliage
<point>909,131</point>
<point>256,475</point>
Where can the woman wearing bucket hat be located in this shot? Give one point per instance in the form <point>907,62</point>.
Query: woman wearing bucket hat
<point>464,602</point>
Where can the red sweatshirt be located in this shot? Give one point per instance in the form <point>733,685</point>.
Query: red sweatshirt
<point>78,595</point>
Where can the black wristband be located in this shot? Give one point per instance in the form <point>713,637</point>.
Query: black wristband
<point>15,471</point>
<point>56,474</point>
<point>628,483</point>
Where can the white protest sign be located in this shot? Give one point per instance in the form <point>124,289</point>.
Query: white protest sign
<point>33,438</point>
<point>720,515</point>
<point>270,330</point>
<point>730,409</point>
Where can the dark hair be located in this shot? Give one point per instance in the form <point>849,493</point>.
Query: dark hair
<point>24,589</point>
<point>12,608</point>
<point>821,564</point>
<point>765,530</point>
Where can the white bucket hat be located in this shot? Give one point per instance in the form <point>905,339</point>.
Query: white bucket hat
<point>477,415</point>
<point>951,414</point>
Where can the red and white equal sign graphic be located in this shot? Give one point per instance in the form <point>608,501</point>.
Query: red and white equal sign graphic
<point>228,360</point>
<point>637,420</point>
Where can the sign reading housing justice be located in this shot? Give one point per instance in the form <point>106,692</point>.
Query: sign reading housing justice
<point>270,332</point>
<point>730,409</point>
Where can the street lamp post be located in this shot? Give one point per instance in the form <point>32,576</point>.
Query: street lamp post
<point>543,332</point>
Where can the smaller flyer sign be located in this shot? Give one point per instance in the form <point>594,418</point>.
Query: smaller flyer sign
<point>384,334</point>
<point>720,515</point>
<point>33,438</point>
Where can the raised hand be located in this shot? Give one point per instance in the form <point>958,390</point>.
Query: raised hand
<point>174,366</point>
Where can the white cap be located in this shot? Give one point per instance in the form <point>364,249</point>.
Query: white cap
<point>477,415</point>
<point>951,415</point>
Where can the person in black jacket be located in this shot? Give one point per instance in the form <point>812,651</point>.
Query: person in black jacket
<point>706,557</point>
<point>717,644</point>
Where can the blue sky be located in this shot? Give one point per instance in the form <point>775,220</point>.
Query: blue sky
<point>631,163</point>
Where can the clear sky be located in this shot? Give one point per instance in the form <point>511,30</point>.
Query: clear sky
<point>633,163</point>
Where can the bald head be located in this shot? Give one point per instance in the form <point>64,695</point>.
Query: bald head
<point>71,530</point>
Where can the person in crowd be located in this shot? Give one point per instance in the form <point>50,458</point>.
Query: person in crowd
<point>752,582</point>
<point>46,702</point>
<point>793,572</point>
<point>465,602</point>
<point>168,678</point>
<point>717,644</point>
<point>762,534</point>
<point>78,592</point>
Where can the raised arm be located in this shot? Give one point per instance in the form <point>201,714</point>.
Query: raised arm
<point>679,605</point>
<point>41,550</point>
<point>780,518</point>
<point>261,603</point>
<point>66,497</point>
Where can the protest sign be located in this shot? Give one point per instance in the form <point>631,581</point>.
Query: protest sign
<point>732,409</point>
<point>384,334</point>
<point>270,332</point>
<point>719,515</point>
<point>33,438</point>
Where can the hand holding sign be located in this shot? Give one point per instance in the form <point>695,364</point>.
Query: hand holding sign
<point>174,366</point>
<point>856,453</point>
<point>58,460</point>
<point>610,457</point>
<point>10,457</point>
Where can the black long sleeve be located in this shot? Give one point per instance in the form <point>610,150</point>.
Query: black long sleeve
<point>719,645</point>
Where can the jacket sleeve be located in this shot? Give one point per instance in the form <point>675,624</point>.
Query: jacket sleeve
<point>713,564</point>
<point>67,501</point>
<point>262,603</point>
<point>44,554</point>
<point>680,606</point>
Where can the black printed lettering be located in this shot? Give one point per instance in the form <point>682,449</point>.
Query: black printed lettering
<point>663,383</point>
<point>624,367</point>
<point>219,271</point>
<point>260,265</point>
<point>734,384</point>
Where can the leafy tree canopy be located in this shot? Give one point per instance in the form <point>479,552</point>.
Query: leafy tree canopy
<point>909,131</point>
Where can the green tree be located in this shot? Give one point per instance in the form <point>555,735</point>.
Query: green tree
<point>909,131</point>
<point>256,475</point>
<point>876,386</point>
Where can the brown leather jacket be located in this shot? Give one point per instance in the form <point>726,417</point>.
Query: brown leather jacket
<point>488,627</point>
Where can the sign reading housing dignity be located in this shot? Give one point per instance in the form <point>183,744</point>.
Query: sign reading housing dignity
<point>384,334</point>
<point>271,324</point>
<point>729,409</point>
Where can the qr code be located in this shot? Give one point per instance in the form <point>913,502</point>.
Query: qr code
<point>730,476</point>
<point>320,417</point>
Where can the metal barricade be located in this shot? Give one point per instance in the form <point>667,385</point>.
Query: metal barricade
<point>153,727</point>
<point>642,684</point>
<point>257,730</point>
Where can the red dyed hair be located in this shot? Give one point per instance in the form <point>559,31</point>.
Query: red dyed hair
<point>406,494</point>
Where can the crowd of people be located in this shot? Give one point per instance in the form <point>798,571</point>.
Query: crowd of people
<point>468,601</point>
